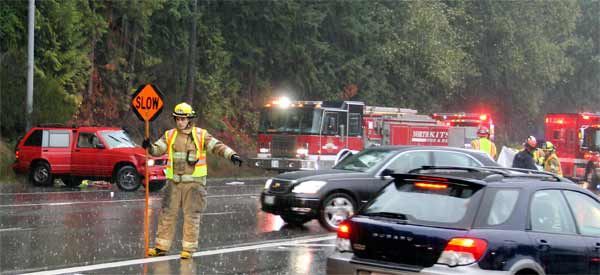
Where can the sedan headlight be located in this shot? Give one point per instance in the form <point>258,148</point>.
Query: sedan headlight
<point>150,162</point>
<point>309,187</point>
<point>268,183</point>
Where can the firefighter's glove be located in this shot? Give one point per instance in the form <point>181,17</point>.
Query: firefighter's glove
<point>237,160</point>
<point>146,143</point>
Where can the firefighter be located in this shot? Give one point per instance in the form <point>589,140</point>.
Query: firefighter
<point>524,159</point>
<point>483,143</point>
<point>551,164</point>
<point>186,147</point>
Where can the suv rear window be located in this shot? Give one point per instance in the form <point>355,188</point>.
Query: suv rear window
<point>35,139</point>
<point>424,203</point>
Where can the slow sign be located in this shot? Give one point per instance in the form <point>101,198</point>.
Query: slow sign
<point>147,102</point>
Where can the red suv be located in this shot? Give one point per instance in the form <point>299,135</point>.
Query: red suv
<point>75,153</point>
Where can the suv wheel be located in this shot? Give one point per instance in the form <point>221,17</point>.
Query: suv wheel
<point>40,174</point>
<point>336,208</point>
<point>295,220</point>
<point>127,178</point>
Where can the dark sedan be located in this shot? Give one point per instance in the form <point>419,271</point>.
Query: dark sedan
<point>335,194</point>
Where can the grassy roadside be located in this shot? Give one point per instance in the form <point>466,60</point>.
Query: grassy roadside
<point>7,157</point>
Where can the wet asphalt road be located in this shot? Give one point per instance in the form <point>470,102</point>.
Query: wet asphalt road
<point>100,230</point>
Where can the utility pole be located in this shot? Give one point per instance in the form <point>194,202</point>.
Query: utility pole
<point>30,64</point>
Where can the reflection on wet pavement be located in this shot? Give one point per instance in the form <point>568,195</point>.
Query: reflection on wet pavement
<point>56,228</point>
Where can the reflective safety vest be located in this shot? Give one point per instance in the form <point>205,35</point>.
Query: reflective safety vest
<point>198,135</point>
<point>484,145</point>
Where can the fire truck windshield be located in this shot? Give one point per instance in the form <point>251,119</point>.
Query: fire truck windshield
<point>290,120</point>
<point>592,138</point>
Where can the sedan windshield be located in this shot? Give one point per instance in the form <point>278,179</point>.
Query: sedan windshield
<point>364,160</point>
<point>117,139</point>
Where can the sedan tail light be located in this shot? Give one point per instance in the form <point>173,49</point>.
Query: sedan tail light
<point>463,251</point>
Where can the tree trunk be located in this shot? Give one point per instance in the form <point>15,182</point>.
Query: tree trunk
<point>191,73</point>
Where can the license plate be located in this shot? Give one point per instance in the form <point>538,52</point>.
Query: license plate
<point>269,199</point>
<point>275,163</point>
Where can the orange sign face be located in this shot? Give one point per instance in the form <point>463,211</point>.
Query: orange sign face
<point>147,102</point>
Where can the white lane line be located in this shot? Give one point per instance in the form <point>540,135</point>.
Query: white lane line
<point>14,229</point>
<point>113,201</point>
<point>176,257</point>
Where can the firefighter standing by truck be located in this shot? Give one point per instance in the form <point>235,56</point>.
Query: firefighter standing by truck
<point>483,143</point>
<point>525,158</point>
<point>551,162</point>
<point>186,146</point>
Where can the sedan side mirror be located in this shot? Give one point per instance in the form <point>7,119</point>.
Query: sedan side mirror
<point>386,174</point>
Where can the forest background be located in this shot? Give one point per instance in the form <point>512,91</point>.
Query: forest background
<point>517,60</point>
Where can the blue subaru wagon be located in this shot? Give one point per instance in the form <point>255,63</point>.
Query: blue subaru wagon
<point>472,221</point>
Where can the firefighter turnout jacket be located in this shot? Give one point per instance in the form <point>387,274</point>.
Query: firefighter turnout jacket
<point>186,151</point>
<point>552,164</point>
<point>485,145</point>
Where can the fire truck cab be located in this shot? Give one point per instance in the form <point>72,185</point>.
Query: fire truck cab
<point>576,137</point>
<point>307,135</point>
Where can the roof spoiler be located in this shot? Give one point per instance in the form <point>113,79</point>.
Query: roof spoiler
<point>501,171</point>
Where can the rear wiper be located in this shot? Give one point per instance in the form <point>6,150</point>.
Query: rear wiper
<point>392,215</point>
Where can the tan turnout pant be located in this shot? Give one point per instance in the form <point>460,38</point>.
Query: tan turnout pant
<point>191,198</point>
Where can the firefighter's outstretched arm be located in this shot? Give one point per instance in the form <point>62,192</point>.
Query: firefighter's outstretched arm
<point>216,147</point>
<point>157,148</point>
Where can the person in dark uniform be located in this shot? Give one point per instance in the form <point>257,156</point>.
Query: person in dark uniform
<point>524,159</point>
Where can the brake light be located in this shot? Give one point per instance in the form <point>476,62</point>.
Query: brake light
<point>426,185</point>
<point>343,231</point>
<point>17,153</point>
<point>463,251</point>
<point>342,243</point>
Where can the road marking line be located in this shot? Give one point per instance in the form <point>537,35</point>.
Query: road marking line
<point>113,201</point>
<point>176,257</point>
<point>15,229</point>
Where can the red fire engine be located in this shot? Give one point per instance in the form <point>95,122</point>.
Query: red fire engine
<point>308,135</point>
<point>576,137</point>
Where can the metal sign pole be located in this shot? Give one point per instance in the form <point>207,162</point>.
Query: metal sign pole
<point>146,212</point>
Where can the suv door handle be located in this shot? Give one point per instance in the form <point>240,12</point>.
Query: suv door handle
<point>77,150</point>
<point>543,245</point>
<point>45,150</point>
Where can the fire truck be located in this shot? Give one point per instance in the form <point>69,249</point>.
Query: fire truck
<point>576,137</point>
<point>310,135</point>
<point>464,126</point>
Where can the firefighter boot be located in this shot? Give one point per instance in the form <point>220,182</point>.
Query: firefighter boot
<point>186,254</point>
<point>155,252</point>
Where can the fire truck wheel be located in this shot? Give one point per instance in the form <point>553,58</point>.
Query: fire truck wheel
<point>40,174</point>
<point>336,208</point>
<point>592,179</point>
<point>294,220</point>
<point>127,178</point>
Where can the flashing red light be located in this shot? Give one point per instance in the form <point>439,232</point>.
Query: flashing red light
<point>436,186</point>
<point>560,121</point>
<point>476,247</point>
<point>483,117</point>
<point>586,117</point>
<point>343,231</point>
<point>17,155</point>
